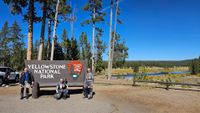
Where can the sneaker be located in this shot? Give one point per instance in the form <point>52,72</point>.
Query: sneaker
<point>64,98</point>
<point>89,98</point>
<point>21,98</point>
<point>27,97</point>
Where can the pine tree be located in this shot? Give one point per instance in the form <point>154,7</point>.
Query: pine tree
<point>35,49</point>
<point>62,9</point>
<point>16,7</point>
<point>120,52</point>
<point>4,42</point>
<point>100,47</point>
<point>58,54</point>
<point>48,9</point>
<point>85,49</point>
<point>18,50</point>
<point>82,46</point>
<point>75,53</point>
<point>66,45</point>
<point>94,7</point>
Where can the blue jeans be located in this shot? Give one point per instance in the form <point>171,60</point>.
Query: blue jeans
<point>88,90</point>
<point>61,93</point>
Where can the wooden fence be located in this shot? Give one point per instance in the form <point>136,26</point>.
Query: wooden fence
<point>167,84</point>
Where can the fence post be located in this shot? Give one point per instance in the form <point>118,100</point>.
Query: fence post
<point>135,71</point>
<point>167,87</point>
<point>134,83</point>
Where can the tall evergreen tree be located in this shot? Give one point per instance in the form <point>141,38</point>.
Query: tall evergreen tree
<point>75,53</point>
<point>18,50</point>
<point>94,7</point>
<point>62,9</point>
<point>82,46</point>
<point>85,49</point>
<point>66,45</point>
<point>4,42</point>
<point>16,7</point>
<point>35,49</point>
<point>48,9</point>
<point>100,48</point>
<point>58,54</point>
<point>195,66</point>
<point>120,52</point>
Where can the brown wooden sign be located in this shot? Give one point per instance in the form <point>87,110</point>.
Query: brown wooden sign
<point>48,73</point>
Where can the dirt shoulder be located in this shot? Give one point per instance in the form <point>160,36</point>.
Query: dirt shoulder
<point>154,99</point>
<point>107,99</point>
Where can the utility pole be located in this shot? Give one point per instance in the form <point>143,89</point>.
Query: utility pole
<point>110,42</point>
<point>54,30</point>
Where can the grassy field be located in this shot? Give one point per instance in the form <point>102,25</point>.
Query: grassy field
<point>182,78</point>
<point>119,71</point>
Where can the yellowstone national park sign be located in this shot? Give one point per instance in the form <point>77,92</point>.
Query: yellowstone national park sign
<point>49,72</point>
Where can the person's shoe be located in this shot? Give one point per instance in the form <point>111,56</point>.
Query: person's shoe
<point>27,97</point>
<point>21,98</point>
<point>64,98</point>
<point>89,96</point>
<point>68,96</point>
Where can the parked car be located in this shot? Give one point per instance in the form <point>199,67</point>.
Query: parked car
<point>8,74</point>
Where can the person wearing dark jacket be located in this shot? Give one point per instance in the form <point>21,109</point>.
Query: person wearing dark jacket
<point>26,81</point>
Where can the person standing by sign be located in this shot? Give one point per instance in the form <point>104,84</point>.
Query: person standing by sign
<point>26,80</point>
<point>62,90</point>
<point>88,87</point>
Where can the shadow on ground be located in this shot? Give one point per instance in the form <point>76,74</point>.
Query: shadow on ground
<point>44,92</point>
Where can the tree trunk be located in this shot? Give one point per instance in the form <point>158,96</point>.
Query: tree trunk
<point>93,35</point>
<point>54,31</point>
<point>110,42</point>
<point>30,30</point>
<point>41,47</point>
<point>49,39</point>
<point>115,28</point>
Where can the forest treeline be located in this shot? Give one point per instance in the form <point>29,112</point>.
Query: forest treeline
<point>130,64</point>
<point>13,51</point>
<point>50,14</point>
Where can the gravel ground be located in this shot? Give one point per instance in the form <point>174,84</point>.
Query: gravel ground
<point>107,99</point>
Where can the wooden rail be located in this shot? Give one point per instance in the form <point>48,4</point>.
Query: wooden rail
<point>165,83</point>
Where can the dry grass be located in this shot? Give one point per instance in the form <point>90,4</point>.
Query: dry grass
<point>119,71</point>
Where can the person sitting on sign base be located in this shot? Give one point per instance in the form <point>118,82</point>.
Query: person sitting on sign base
<point>88,86</point>
<point>61,90</point>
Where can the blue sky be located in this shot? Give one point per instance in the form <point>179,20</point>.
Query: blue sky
<point>152,29</point>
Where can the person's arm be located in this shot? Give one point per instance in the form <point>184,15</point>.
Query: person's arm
<point>32,78</point>
<point>92,77</point>
<point>21,79</point>
<point>67,86</point>
<point>57,88</point>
